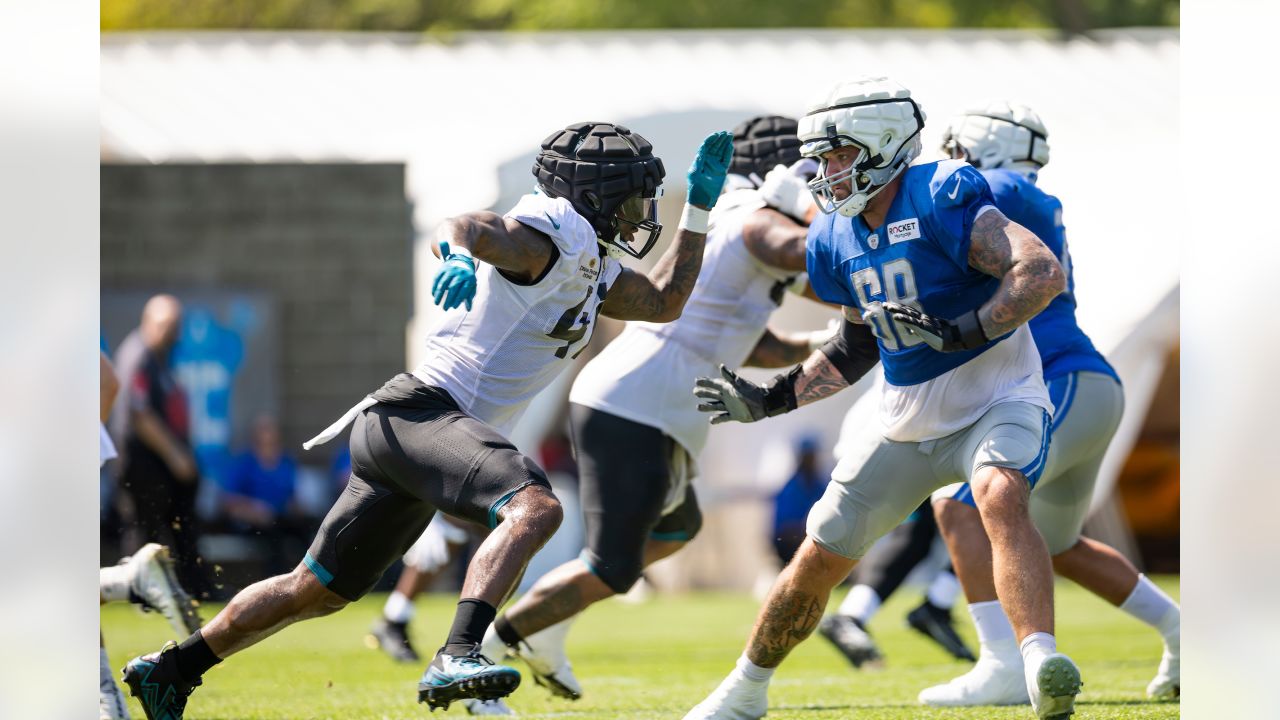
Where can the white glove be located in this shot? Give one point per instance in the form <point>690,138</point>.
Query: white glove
<point>786,190</point>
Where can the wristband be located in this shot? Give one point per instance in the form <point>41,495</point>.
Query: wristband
<point>780,393</point>
<point>447,249</point>
<point>695,219</point>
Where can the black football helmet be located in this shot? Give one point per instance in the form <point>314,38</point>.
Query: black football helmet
<point>611,177</point>
<point>762,143</point>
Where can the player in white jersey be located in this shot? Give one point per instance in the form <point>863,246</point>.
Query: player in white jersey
<point>145,579</point>
<point>904,249</point>
<point>1009,143</point>
<point>532,282</point>
<point>635,433</point>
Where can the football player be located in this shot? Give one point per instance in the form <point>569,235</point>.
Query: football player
<point>946,283</point>
<point>530,283</point>
<point>146,578</point>
<point>1008,143</point>
<point>636,435</point>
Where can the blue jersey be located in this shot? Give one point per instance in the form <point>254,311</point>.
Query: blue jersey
<point>918,257</point>
<point>1064,348</point>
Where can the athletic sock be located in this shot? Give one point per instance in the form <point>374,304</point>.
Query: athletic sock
<point>194,657</point>
<point>861,604</point>
<point>469,623</point>
<point>1035,646</point>
<point>113,583</point>
<point>752,671</point>
<point>943,590</point>
<point>995,634</point>
<point>506,632</point>
<point>1152,606</point>
<point>399,608</point>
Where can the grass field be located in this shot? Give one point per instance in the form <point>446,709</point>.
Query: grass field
<point>652,660</point>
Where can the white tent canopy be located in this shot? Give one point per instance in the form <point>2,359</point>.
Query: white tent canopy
<point>467,114</point>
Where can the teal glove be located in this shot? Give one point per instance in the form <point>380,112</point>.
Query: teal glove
<point>707,173</point>
<point>455,281</point>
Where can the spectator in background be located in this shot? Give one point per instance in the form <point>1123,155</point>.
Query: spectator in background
<point>791,504</point>
<point>158,471</point>
<point>259,496</point>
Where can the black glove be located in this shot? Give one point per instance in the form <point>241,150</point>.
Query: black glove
<point>734,398</point>
<point>963,333</point>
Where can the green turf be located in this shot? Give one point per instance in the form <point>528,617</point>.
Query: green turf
<point>653,660</point>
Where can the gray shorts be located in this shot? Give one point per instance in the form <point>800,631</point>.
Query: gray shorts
<point>1087,410</point>
<point>879,482</point>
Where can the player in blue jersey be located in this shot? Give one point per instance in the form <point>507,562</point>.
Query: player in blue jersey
<point>946,283</point>
<point>1009,144</point>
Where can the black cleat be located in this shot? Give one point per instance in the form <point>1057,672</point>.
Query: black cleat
<point>851,639</point>
<point>935,623</point>
<point>455,677</point>
<point>155,681</point>
<point>393,638</point>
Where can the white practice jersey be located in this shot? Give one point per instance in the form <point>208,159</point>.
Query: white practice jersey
<point>516,338</point>
<point>646,374</point>
<point>106,448</point>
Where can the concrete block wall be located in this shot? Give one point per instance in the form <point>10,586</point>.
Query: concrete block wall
<point>331,243</point>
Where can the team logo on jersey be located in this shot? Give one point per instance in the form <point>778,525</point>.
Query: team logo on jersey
<point>904,230</point>
<point>873,241</point>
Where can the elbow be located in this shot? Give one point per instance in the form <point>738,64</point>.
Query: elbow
<point>669,314</point>
<point>1056,278</point>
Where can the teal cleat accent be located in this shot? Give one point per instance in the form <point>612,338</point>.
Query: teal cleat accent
<point>456,677</point>
<point>155,681</point>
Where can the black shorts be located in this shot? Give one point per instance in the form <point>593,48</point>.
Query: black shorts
<point>625,475</point>
<point>413,453</point>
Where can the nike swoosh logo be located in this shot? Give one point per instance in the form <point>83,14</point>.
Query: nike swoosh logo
<point>951,194</point>
<point>554,224</point>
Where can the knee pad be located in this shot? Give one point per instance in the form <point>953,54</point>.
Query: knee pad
<point>617,571</point>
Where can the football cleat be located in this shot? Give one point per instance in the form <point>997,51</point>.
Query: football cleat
<point>154,680</point>
<point>545,654</point>
<point>736,698</point>
<point>154,586</point>
<point>1167,684</point>
<point>497,706</point>
<point>851,639</point>
<point>1053,687</point>
<point>457,677</point>
<point>111,702</point>
<point>989,682</point>
<point>393,639</point>
<point>935,623</point>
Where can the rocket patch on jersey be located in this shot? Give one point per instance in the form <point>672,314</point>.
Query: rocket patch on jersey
<point>902,230</point>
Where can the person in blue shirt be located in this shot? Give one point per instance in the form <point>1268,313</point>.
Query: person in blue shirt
<point>791,504</point>
<point>258,496</point>
<point>1008,143</point>
<point>937,285</point>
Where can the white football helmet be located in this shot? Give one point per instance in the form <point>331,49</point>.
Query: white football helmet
<point>999,134</point>
<point>875,115</point>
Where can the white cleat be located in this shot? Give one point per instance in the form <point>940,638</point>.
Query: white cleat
<point>737,698</point>
<point>152,581</point>
<point>496,706</point>
<point>989,682</point>
<point>1167,684</point>
<point>1053,687</point>
<point>545,654</point>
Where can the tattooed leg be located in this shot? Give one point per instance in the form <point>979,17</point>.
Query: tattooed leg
<point>558,595</point>
<point>795,603</point>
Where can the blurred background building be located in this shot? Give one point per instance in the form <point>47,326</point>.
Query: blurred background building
<point>282,184</point>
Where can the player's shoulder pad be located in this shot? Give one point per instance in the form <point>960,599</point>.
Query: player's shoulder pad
<point>556,218</point>
<point>954,183</point>
<point>1017,195</point>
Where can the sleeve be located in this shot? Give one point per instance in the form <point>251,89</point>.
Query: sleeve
<point>139,390</point>
<point>555,218</point>
<point>956,202</point>
<point>822,266</point>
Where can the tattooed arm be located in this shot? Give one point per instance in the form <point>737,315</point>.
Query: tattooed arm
<point>659,296</point>
<point>1030,276</point>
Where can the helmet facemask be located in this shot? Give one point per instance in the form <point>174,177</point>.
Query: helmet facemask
<point>636,218</point>
<point>867,175</point>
